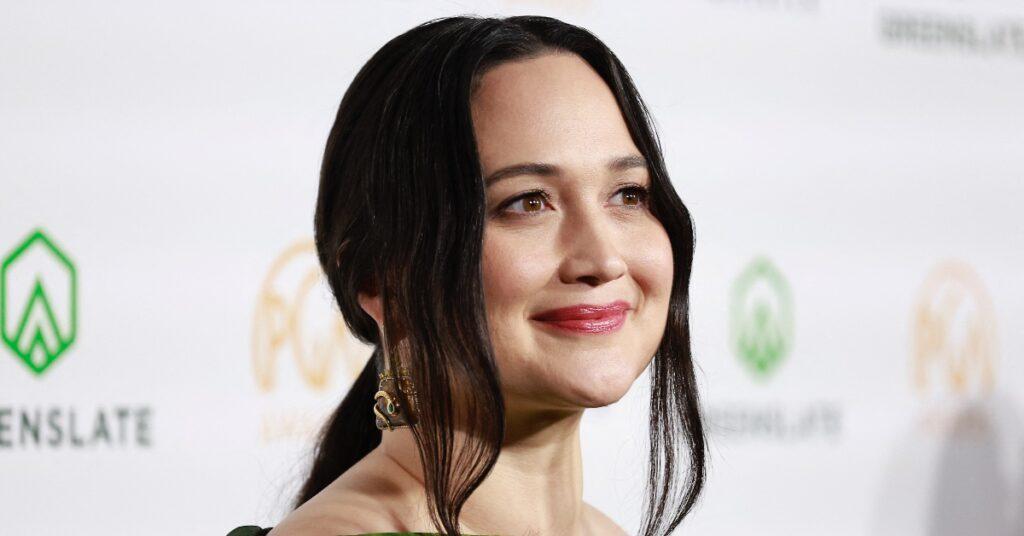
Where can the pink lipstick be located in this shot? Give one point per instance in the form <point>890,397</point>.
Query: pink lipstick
<point>587,318</point>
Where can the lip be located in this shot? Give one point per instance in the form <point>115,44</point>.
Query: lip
<point>587,318</point>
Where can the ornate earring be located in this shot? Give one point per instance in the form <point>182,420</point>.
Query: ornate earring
<point>393,394</point>
<point>387,407</point>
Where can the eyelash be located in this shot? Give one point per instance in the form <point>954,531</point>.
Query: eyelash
<point>643,191</point>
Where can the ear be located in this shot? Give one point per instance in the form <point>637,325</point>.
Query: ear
<point>371,303</point>
<point>370,300</point>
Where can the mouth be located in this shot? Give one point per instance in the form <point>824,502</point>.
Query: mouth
<point>586,318</point>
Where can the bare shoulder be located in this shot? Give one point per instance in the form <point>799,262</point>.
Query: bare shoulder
<point>358,502</point>
<point>331,514</point>
<point>366,500</point>
<point>600,523</point>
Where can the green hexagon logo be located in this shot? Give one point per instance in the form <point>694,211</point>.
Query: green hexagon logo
<point>761,317</point>
<point>38,302</point>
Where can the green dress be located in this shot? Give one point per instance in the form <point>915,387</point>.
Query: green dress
<point>253,530</point>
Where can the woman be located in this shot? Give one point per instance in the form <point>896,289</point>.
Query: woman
<point>495,217</point>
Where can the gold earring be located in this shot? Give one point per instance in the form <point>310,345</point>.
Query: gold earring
<point>393,393</point>
<point>387,407</point>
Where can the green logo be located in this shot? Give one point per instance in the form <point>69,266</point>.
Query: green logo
<point>38,302</point>
<point>761,317</point>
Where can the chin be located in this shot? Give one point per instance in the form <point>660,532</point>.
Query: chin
<point>602,390</point>
<point>600,400</point>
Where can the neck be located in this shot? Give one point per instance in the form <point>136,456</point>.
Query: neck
<point>536,485</point>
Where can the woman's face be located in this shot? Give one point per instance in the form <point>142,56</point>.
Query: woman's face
<point>589,238</point>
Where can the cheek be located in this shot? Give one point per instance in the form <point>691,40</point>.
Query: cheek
<point>652,264</point>
<point>514,269</point>
<point>653,269</point>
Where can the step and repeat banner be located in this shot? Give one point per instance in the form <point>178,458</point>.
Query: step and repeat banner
<point>855,172</point>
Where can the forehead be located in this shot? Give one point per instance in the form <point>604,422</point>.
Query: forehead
<point>553,107</point>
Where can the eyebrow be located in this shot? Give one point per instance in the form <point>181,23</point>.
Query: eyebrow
<point>617,164</point>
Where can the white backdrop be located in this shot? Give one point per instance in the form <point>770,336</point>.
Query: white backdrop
<point>855,172</point>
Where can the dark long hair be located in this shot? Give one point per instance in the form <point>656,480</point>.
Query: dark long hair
<point>401,212</point>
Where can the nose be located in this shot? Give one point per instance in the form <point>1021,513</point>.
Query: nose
<point>592,253</point>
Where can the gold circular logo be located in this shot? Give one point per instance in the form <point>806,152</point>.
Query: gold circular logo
<point>290,317</point>
<point>954,334</point>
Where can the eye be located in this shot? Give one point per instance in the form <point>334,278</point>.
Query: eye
<point>532,203</point>
<point>634,195</point>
